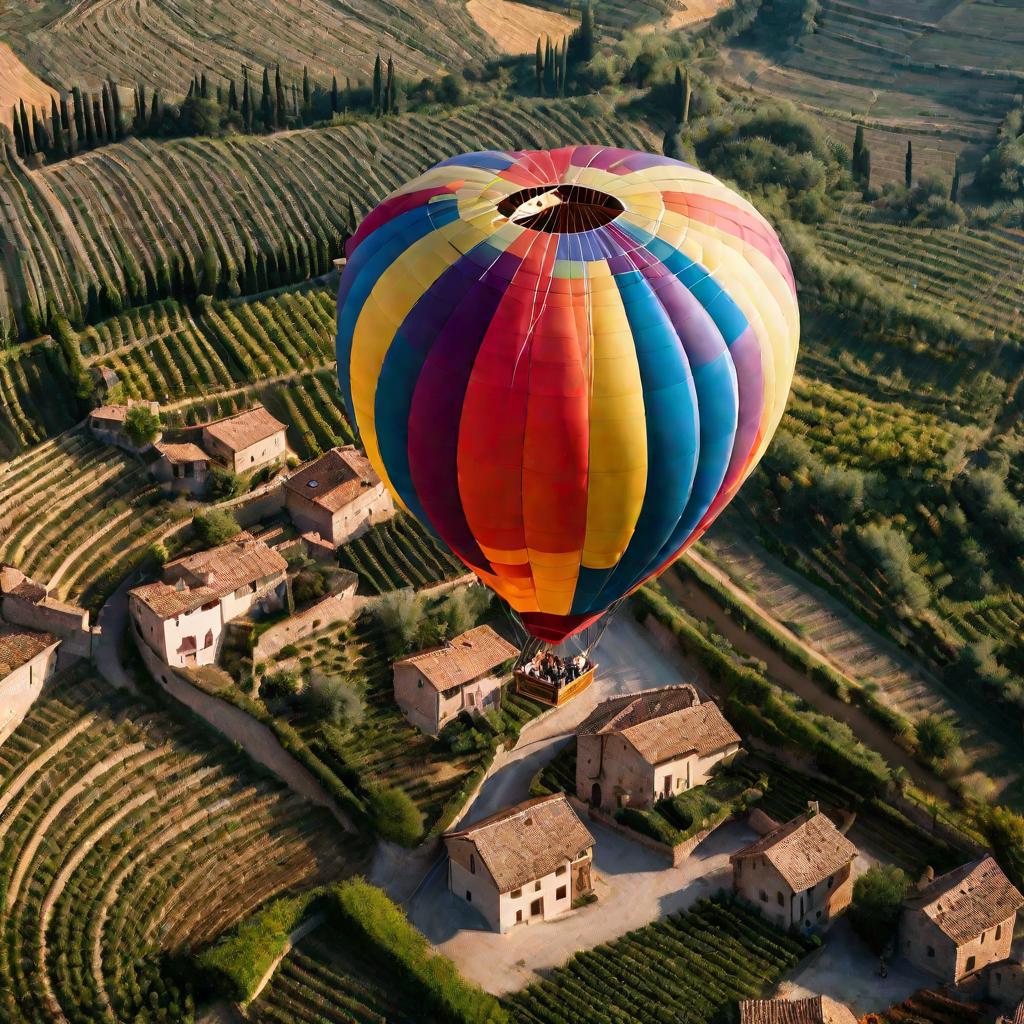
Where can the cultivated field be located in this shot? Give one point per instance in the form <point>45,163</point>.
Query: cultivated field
<point>125,836</point>
<point>17,83</point>
<point>515,27</point>
<point>163,43</point>
<point>134,220</point>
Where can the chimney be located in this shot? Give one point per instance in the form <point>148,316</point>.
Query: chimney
<point>926,879</point>
<point>813,808</point>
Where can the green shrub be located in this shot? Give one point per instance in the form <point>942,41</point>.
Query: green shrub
<point>395,817</point>
<point>234,965</point>
<point>215,527</point>
<point>875,911</point>
<point>449,999</point>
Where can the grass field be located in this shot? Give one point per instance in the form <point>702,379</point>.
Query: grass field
<point>135,219</point>
<point>516,27</point>
<point>126,836</point>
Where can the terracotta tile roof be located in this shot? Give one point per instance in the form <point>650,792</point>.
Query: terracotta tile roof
<point>111,413</point>
<point>335,479</point>
<point>805,851</point>
<point>618,713</point>
<point>18,646</point>
<point>191,581</point>
<point>186,452</point>
<point>969,900</point>
<point>467,656</point>
<point>15,583</point>
<point>523,843</point>
<point>700,729</point>
<point>815,1010</point>
<point>245,429</point>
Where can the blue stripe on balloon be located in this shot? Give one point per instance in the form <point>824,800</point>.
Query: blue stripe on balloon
<point>490,158</point>
<point>376,253</point>
<point>670,406</point>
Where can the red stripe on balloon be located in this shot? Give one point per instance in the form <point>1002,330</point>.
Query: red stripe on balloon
<point>394,207</point>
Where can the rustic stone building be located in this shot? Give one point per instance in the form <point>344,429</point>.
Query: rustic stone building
<point>337,496</point>
<point>814,1010</point>
<point>646,746</point>
<point>184,468</point>
<point>799,875</point>
<point>433,686</point>
<point>246,442</point>
<point>27,660</point>
<point>524,864</point>
<point>961,922</point>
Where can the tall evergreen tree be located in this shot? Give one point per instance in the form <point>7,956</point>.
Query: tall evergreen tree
<point>908,176</point>
<point>109,133</point>
<point>866,168</point>
<point>19,142</point>
<point>65,115</point>
<point>42,137</point>
<point>587,32</point>
<point>858,144</point>
<point>26,130</point>
<point>391,89</point>
<point>89,108</point>
<point>679,96</point>
<point>79,104</point>
<point>204,87</point>
<point>142,105</point>
<point>378,86</point>
<point>563,69</point>
<point>307,91</point>
<point>335,98</point>
<point>538,64</point>
<point>267,103</point>
<point>57,131</point>
<point>954,188</point>
<point>549,69</point>
<point>246,101</point>
<point>280,118</point>
<point>155,113</point>
<point>115,122</point>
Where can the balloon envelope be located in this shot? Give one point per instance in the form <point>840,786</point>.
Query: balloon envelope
<point>565,363</point>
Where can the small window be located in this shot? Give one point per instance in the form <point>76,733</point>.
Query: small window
<point>764,896</point>
<point>469,896</point>
<point>560,893</point>
<point>516,893</point>
<point>782,899</point>
<point>536,886</point>
<point>931,952</point>
<point>818,915</point>
<point>972,962</point>
<point>831,881</point>
<point>419,683</point>
<point>999,933</point>
<point>561,869</point>
<point>519,917</point>
<point>981,941</point>
<point>472,864</point>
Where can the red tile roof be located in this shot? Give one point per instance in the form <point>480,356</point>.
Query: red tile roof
<point>618,713</point>
<point>193,580</point>
<point>700,729</point>
<point>528,841</point>
<point>247,428</point>
<point>110,413</point>
<point>335,479</point>
<point>815,1010</point>
<point>18,646</point>
<point>178,453</point>
<point>968,901</point>
<point>463,659</point>
<point>804,851</point>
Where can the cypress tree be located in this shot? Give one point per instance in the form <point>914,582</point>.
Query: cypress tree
<point>19,144</point>
<point>866,165</point>
<point>99,119</point>
<point>65,116</point>
<point>267,103</point>
<point>679,96</point>
<point>391,93</point>
<point>204,88</point>
<point>688,96</point>
<point>42,137</point>
<point>232,97</point>
<point>335,98</point>
<point>79,104</point>
<point>89,113</point>
<point>549,69</point>
<point>377,86</point>
<point>108,134</point>
<point>586,33</point>
<point>142,107</point>
<point>908,176</point>
<point>72,139</point>
<point>115,121</point>
<point>563,71</point>
<point>220,95</point>
<point>295,99</point>
<point>538,64</point>
<point>59,149</point>
<point>279,109</point>
<point>307,92</point>
<point>954,188</point>
<point>154,112</point>
<point>246,101</point>
<point>26,131</point>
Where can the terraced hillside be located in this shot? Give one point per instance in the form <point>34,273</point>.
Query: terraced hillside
<point>126,836</point>
<point>162,43</point>
<point>973,273</point>
<point>143,219</point>
<point>941,71</point>
<point>36,399</point>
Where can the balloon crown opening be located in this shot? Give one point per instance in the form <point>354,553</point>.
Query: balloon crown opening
<point>560,209</point>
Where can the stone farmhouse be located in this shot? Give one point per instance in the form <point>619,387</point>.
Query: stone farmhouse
<point>246,442</point>
<point>815,1010</point>
<point>182,617</point>
<point>800,874</point>
<point>435,685</point>
<point>184,468</point>
<point>643,747</point>
<point>107,423</point>
<point>1006,983</point>
<point>963,921</point>
<point>338,496</point>
<point>524,864</point>
<point>27,660</point>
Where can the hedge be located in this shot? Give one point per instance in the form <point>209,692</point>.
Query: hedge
<point>234,965</point>
<point>366,910</point>
<point>760,708</point>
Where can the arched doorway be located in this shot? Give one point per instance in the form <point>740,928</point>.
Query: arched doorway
<point>595,795</point>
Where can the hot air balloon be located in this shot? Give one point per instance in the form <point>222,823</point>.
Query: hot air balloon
<point>565,363</point>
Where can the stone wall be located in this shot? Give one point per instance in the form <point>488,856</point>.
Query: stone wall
<point>66,621</point>
<point>328,611</point>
